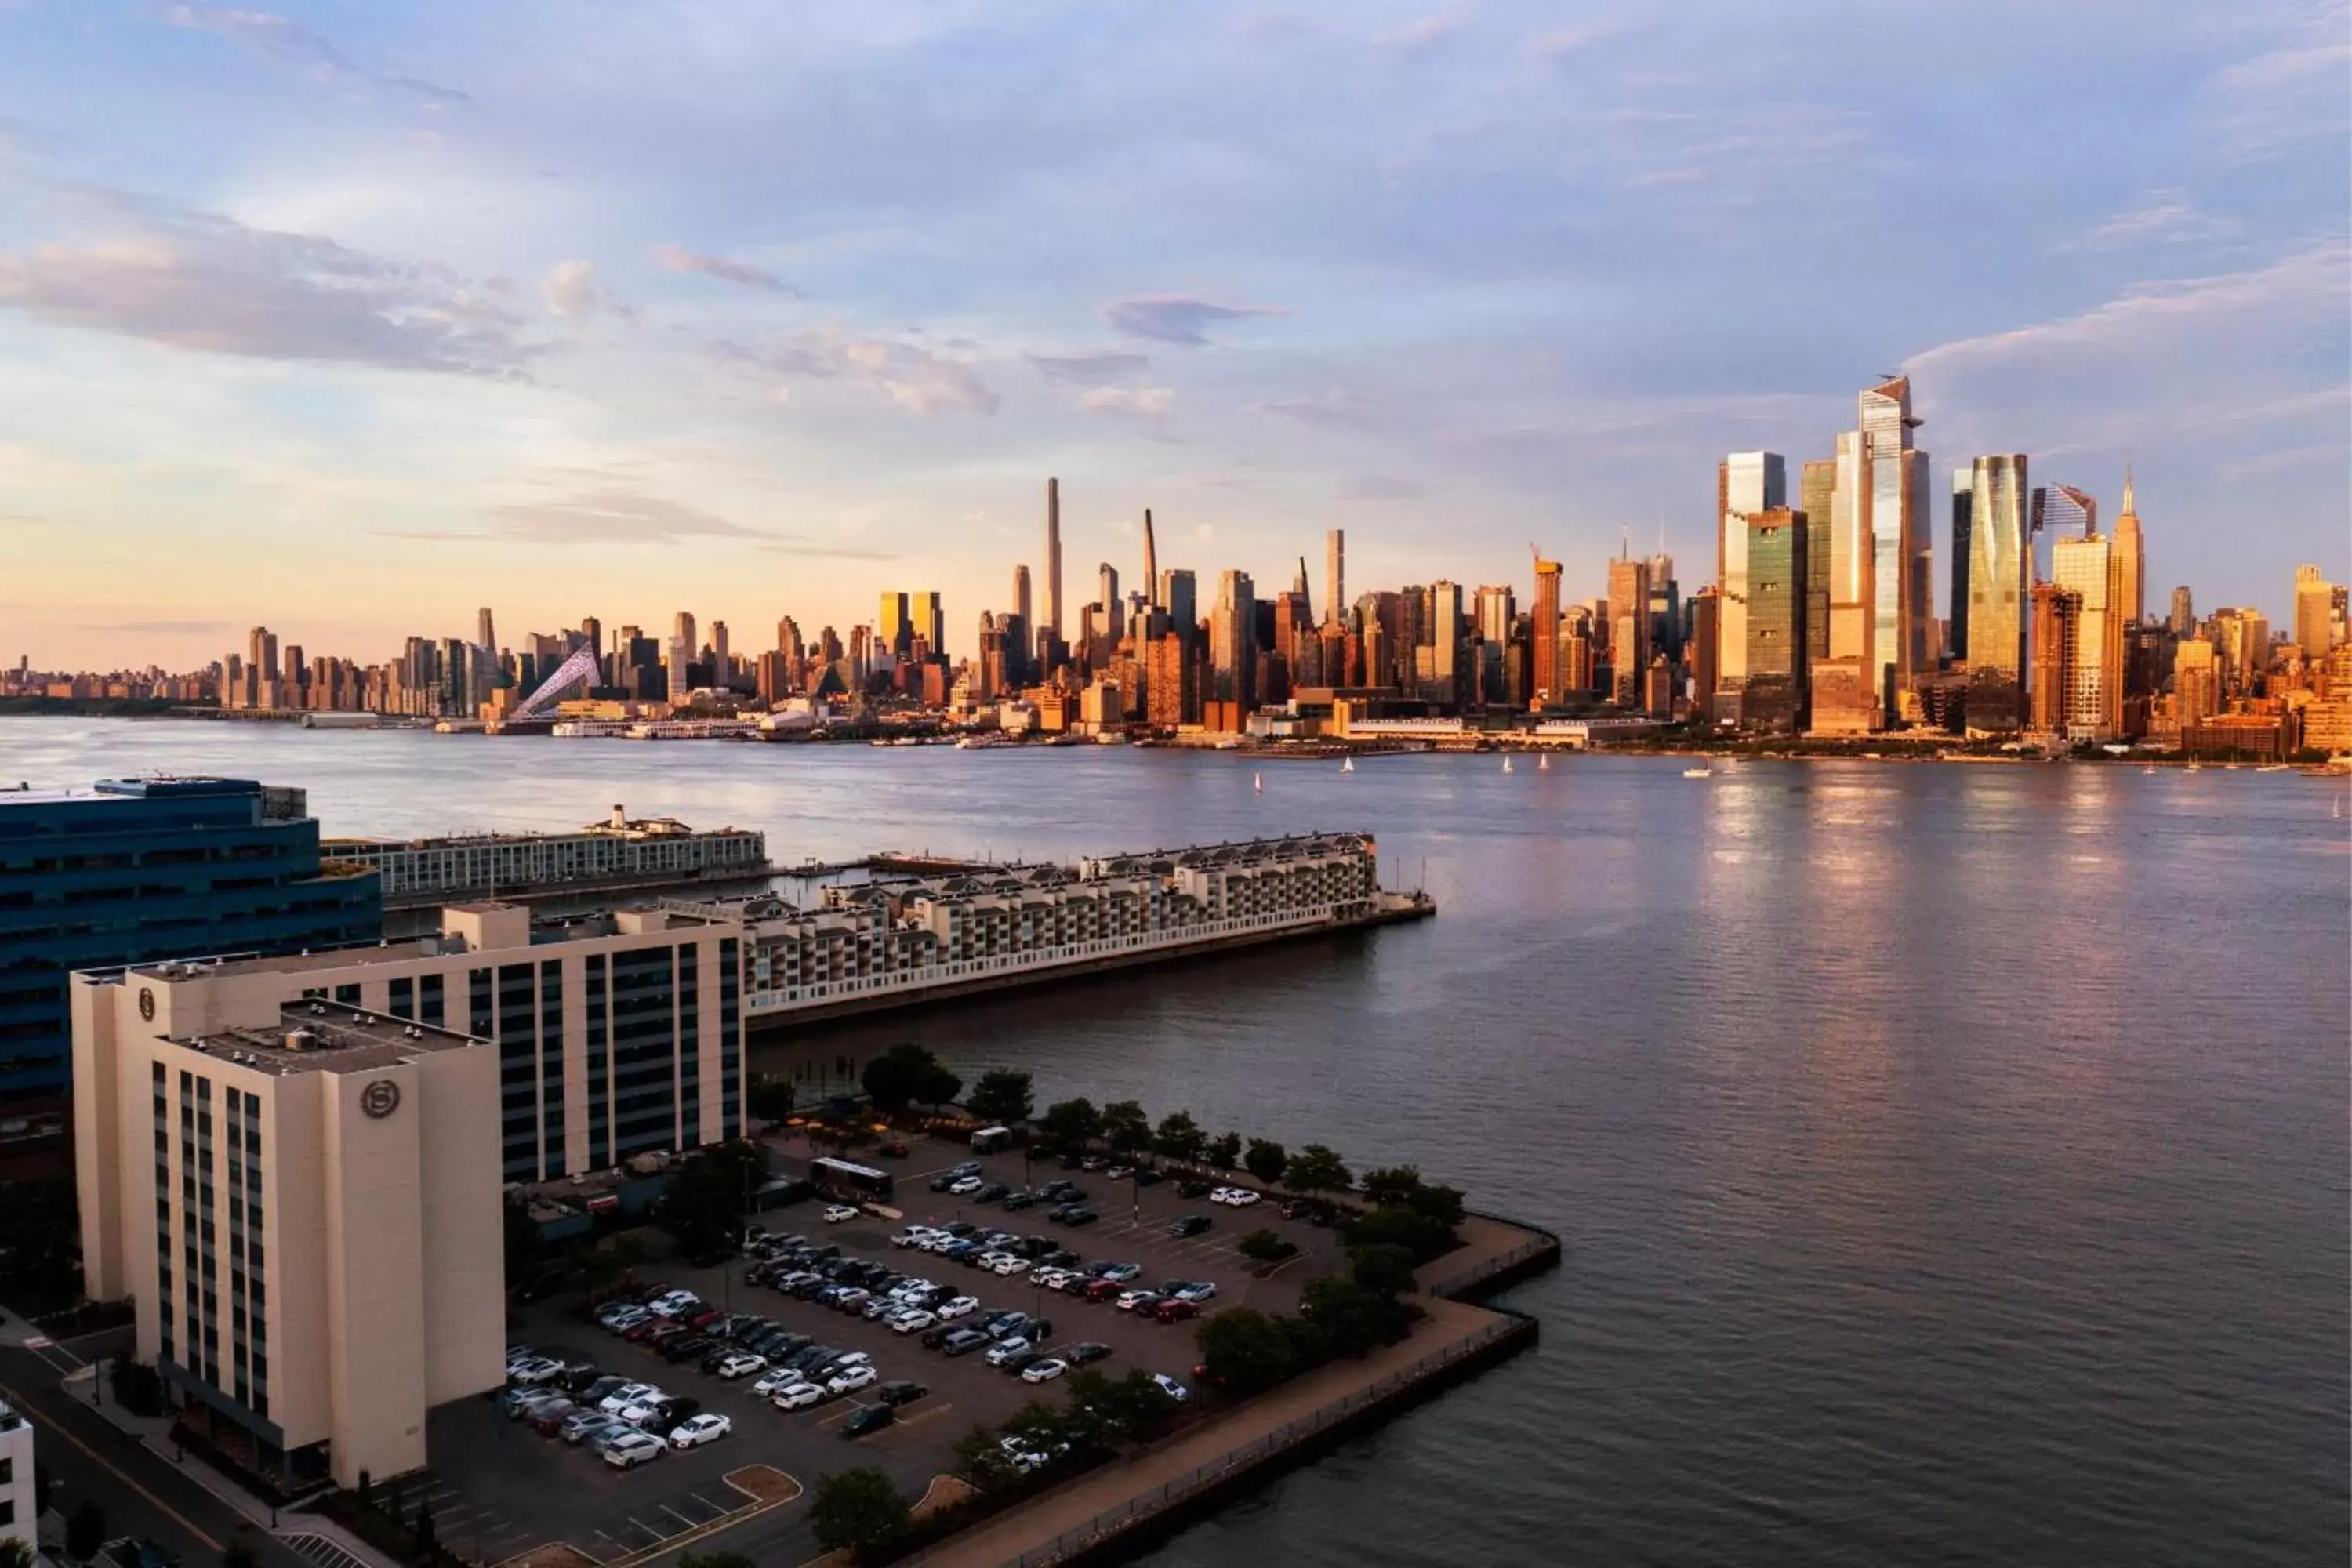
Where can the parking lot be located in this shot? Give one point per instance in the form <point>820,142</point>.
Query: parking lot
<point>499,1483</point>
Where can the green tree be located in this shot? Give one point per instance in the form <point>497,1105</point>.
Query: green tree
<point>768,1097</point>
<point>1383,1266</point>
<point>1356,1321</point>
<point>14,1553</point>
<point>981,1459</point>
<point>1125,1127</point>
<point>709,1195</point>
<point>907,1075</point>
<point>855,1508</point>
<point>1265,1161</point>
<point>1002,1096</point>
<point>1393,1187</point>
<point>1179,1137</point>
<point>1037,1424</point>
<point>85,1531</point>
<point>1137,1405</point>
<point>1264,1246</point>
<point>1315,1169</point>
<point>1246,1352</point>
<point>1225,1152</point>
<point>1071,1123</point>
<point>1422,1234</point>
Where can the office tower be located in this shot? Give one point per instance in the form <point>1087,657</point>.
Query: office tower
<point>2131,560</point>
<point>1706,660</point>
<point>1543,635</point>
<point>1233,639</point>
<point>2059,511</point>
<point>2315,604</point>
<point>1845,686</point>
<point>1150,560</point>
<point>1445,639</point>
<point>718,655</point>
<point>2196,682</point>
<point>2086,568</point>
<point>2184,612</point>
<point>893,629</point>
<point>1179,597</point>
<point>1745,482</point>
<point>1111,626</point>
<point>1021,595</point>
<point>1994,599</point>
<point>2056,621</point>
<point>682,633</point>
<point>1498,607</point>
<point>221,865</point>
<point>592,635</point>
<point>682,648</point>
<point>1963,523</point>
<point>1902,543</point>
<point>1665,608</point>
<point>1776,559</point>
<point>1173,698</point>
<point>1817,498</point>
<point>1335,572</point>
<point>1629,632</point>
<point>484,632</point>
<point>927,612</point>
<point>1053,559</point>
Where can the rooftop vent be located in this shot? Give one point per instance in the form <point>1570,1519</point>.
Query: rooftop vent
<point>300,1040</point>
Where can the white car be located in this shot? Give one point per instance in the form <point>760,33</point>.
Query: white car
<point>1052,1279</point>
<point>533,1371</point>
<point>630,1449</point>
<point>742,1364</point>
<point>799,1396</point>
<point>913,1322</point>
<point>967,1184</point>
<point>962,1307</point>
<point>907,1289</point>
<point>644,1410</point>
<point>836,1214</point>
<point>1128,1300</point>
<point>851,1380</point>
<point>673,1303</point>
<point>912,1235</point>
<point>628,1393</point>
<point>1118,1173</point>
<point>1009,1263</point>
<point>1005,1350</point>
<point>775,1381</point>
<point>695,1430</point>
<point>1195,1291</point>
<point>1043,1372</point>
<point>1171,1387</point>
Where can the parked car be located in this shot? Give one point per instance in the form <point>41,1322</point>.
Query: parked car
<point>902,1392</point>
<point>1191,1188</point>
<point>871,1419</point>
<point>774,1381</point>
<point>628,1394</point>
<point>1006,1349</point>
<point>964,1341</point>
<point>1085,1353</point>
<point>630,1449</point>
<point>548,1415</point>
<point>799,1396</point>
<point>685,1348</point>
<point>1014,1365</point>
<point>1147,1177</point>
<point>838,1213</point>
<point>1118,1173</point>
<point>695,1430</point>
<point>1171,1387</point>
<point>1175,1310</point>
<point>1139,1298</point>
<point>1078,1217</point>
<point>1189,1224</point>
<point>957,1306</point>
<point>990,1191</point>
<point>740,1364</point>
<point>1045,1370</point>
<point>1119,1272</point>
<point>914,1322</point>
<point>851,1380</point>
<point>964,1187</point>
<point>1193,1290</point>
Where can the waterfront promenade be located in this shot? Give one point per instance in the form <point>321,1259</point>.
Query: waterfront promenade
<point>1086,1514</point>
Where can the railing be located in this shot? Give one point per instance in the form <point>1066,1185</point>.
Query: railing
<point>1470,1279</point>
<point>1112,1520</point>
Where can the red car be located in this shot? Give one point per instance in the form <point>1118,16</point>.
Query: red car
<point>1104,1289</point>
<point>702,1321</point>
<point>1175,1310</point>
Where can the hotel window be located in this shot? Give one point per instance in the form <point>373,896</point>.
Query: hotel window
<point>550,1068</point>
<point>600,1102</point>
<point>430,1004</point>
<point>689,1047</point>
<point>403,998</point>
<point>348,996</point>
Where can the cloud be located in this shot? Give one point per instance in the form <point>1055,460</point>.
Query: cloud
<point>2166,217</point>
<point>169,628</point>
<point>677,259</point>
<point>616,516</point>
<point>1175,319</point>
<point>915,378</point>
<point>1334,409</point>
<point>2261,106</point>
<point>1561,47</point>
<point>204,282</point>
<point>574,294</point>
<point>1426,34</point>
<point>1151,404</point>
<point>283,38</point>
<point>1090,369</point>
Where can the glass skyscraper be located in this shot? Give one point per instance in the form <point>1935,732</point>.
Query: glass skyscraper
<point>1994,591</point>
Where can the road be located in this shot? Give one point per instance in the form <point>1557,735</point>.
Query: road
<point>90,1460</point>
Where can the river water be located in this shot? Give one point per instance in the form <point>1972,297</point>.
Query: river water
<point>1951,1159</point>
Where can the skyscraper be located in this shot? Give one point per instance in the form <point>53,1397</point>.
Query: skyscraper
<point>485,633</point>
<point>894,631</point>
<point>1745,482</point>
<point>1233,639</point>
<point>2131,560</point>
<point>1150,560</point>
<point>1021,606</point>
<point>1108,592</point>
<point>1777,560</point>
<point>1844,688</point>
<point>1053,557</point>
<point>2184,612</point>
<point>2314,600</point>
<point>1902,548</point>
<point>1335,573</point>
<point>2085,567</point>
<point>1629,630</point>
<point>2056,620</point>
<point>1994,597</point>
<point>1179,596</point>
<point>1816,497</point>
<point>1544,634</point>
<point>2059,511</point>
<point>1963,523</point>
<point>1446,637</point>
<point>1704,656</point>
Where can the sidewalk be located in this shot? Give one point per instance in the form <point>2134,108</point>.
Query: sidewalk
<point>155,1435</point>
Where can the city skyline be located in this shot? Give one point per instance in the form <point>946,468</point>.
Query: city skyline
<point>379,304</point>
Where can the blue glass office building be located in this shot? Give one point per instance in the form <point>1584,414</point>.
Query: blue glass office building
<point>136,871</point>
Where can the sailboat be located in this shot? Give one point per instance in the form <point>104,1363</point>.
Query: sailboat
<point>1507,761</point>
<point>1348,765</point>
<point>1257,782</point>
<point>1543,764</point>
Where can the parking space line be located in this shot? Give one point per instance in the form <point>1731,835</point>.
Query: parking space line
<point>690,1523</point>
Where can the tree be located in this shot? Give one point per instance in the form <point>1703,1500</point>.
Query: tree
<point>709,1196</point>
<point>240,1554</point>
<point>1264,1247</point>
<point>1316,1169</point>
<point>1002,1096</point>
<point>14,1553</point>
<point>905,1075</point>
<point>981,1459</point>
<point>1265,1161</point>
<point>1125,1127</point>
<point>768,1098</point>
<point>1071,1123</point>
<point>1225,1152</point>
<point>1179,1137</point>
<point>1422,1234</point>
<point>85,1531</point>
<point>1356,1321</point>
<point>1246,1352</point>
<point>856,1508</point>
<point>1383,1266</point>
<point>1391,1186</point>
<point>1039,1425</point>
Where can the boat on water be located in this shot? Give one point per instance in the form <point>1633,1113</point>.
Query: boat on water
<point>1543,764</point>
<point>1257,782</point>
<point>2194,768</point>
<point>1348,765</point>
<point>1507,761</point>
<point>2272,768</point>
<point>1698,772</point>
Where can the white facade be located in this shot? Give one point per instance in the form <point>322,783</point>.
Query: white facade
<point>17,1516</point>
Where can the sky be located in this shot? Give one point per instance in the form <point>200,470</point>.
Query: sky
<point>349,318</point>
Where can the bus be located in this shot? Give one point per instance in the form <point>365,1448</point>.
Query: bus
<point>988,1139</point>
<point>840,1179</point>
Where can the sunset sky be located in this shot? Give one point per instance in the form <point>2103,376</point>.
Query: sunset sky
<point>351,318</point>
